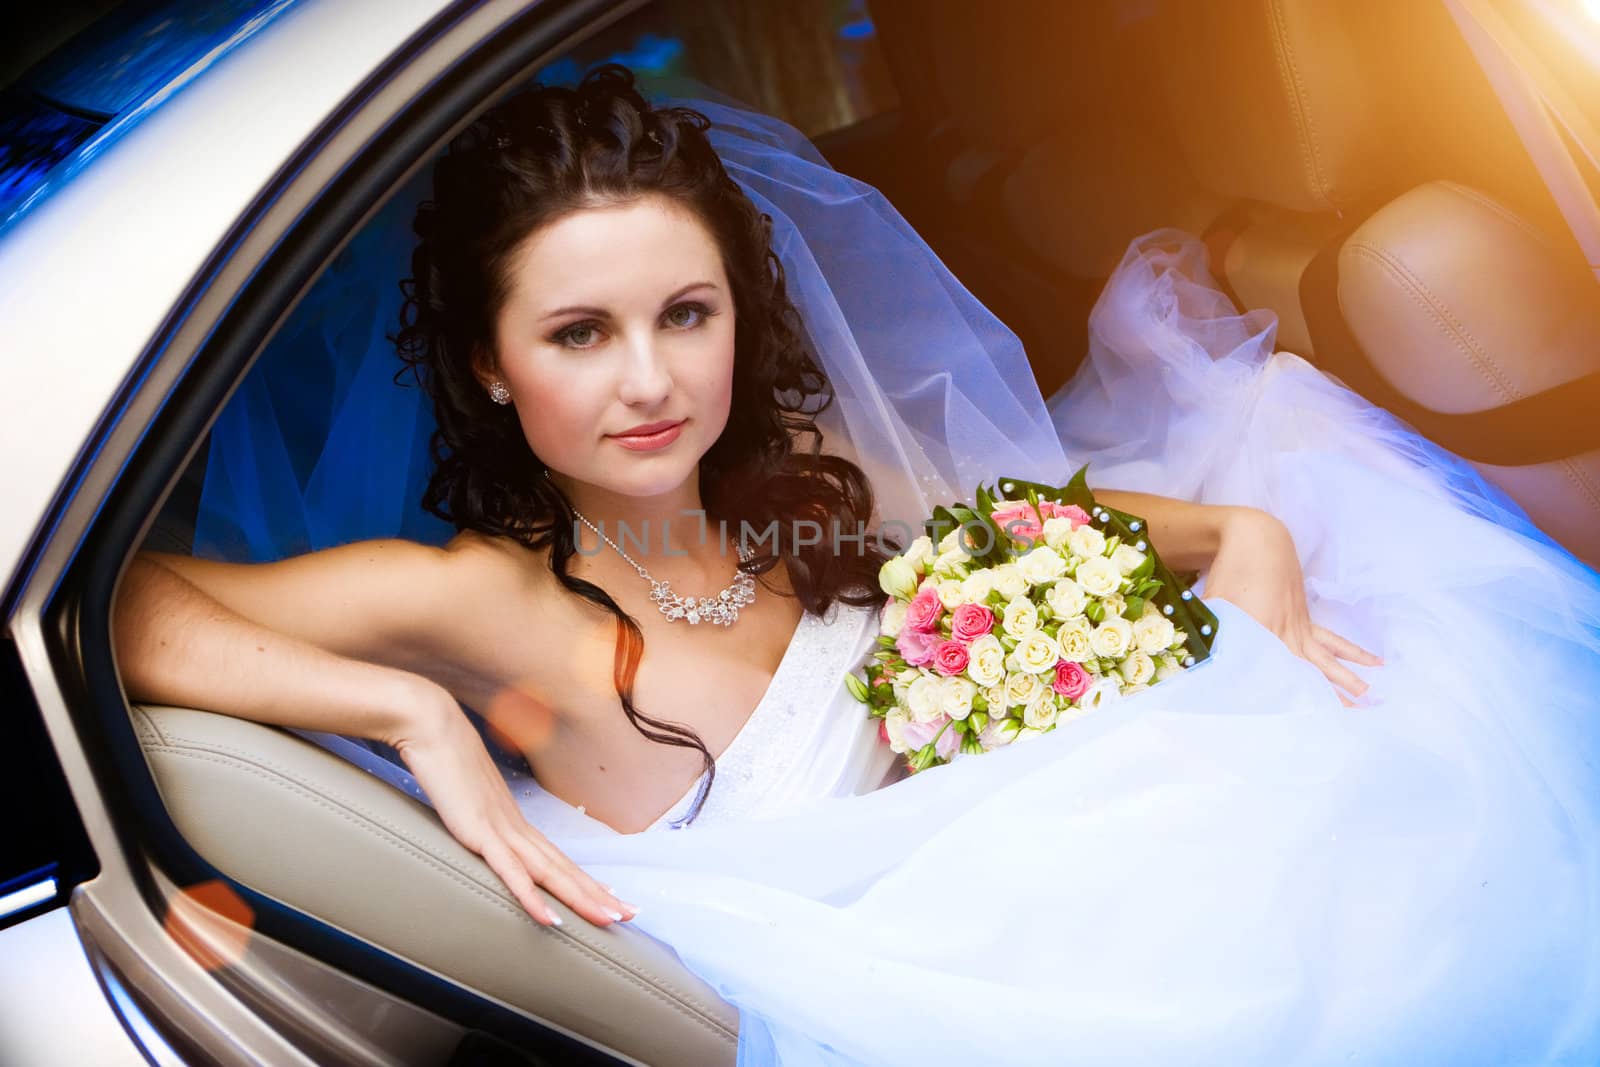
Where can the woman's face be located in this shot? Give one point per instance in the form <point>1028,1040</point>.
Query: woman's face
<point>616,342</point>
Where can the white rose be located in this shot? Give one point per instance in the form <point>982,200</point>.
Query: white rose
<point>1066,598</point>
<point>1041,564</point>
<point>919,554</point>
<point>1112,638</point>
<point>1020,617</point>
<point>1009,582</point>
<point>951,564</point>
<point>955,698</point>
<point>1137,669</point>
<point>977,586</point>
<point>902,684</point>
<point>1035,653</point>
<point>1102,694</point>
<point>986,663</point>
<point>1126,557</point>
<point>1114,603</point>
<point>1041,711</point>
<point>1021,687</point>
<point>922,699</point>
<point>897,578</point>
<point>951,542</point>
<point>895,723</point>
<point>1154,633</point>
<point>1166,667</point>
<point>894,617</point>
<point>951,594</point>
<point>1057,530</point>
<point>1088,542</point>
<point>1073,638</point>
<point>1028,733</point>
<point>1098,575</point>
<point>995,696</point>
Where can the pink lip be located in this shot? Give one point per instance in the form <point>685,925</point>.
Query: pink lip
<point>649,437</point>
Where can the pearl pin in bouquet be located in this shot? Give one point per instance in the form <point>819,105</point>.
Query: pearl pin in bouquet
<point>1030,607</point>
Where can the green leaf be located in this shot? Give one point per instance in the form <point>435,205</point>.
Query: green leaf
<point>1135,609</point>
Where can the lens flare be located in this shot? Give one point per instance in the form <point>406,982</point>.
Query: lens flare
<point>210,922</point>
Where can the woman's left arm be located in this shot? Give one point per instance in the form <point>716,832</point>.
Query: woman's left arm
<point>1250,561</point>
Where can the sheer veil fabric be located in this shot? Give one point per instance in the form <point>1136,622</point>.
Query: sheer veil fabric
<point>1228,868</point>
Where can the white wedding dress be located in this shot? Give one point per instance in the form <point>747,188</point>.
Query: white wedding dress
<point>1230,868</point>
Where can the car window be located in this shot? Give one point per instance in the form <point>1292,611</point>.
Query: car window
<point>816,64</point>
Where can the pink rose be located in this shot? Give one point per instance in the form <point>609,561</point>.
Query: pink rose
<point>970,622</point>
<point>916,646</point>
<point>918,734</point>
<point>924,611</point>
<point>1078,516</point>
<point>1022,522</point>
<point>883,730</point>
<point>950,658</point>
<point>1072,681</point>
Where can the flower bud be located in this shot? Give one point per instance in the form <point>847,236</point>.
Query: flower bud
<point>898,578</point>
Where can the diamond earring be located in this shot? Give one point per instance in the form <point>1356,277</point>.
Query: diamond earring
<point>499,393</point>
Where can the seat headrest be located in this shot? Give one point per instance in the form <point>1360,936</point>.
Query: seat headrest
<point>1464,306</point>
<point>1278,100</point>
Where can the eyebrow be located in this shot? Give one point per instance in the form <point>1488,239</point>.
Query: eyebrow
<point>601,312</point>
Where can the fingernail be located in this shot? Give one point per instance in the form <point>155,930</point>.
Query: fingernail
<point>616,916</point>
<point>555,920</point>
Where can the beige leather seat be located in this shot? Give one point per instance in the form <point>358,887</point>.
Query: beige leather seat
<point>1387,213</point>
<point>1061,154</point>
<point>300,825</point>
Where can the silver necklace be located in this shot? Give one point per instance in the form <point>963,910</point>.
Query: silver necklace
<point>721,610</point>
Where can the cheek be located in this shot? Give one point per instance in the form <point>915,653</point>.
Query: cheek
<point>556,411</point>
<point>715,383</point>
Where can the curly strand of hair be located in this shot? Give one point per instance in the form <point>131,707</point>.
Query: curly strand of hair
<point>625,665</point>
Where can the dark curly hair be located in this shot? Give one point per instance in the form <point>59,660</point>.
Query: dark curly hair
<point>540,155</point>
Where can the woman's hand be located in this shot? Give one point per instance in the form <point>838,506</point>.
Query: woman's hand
<point>448,759</point>
<point>1256,569</point>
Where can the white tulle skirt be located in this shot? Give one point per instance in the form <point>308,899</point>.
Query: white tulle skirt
<point>1231,868</point>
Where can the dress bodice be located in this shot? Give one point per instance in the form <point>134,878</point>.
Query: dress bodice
<point>806,737</point>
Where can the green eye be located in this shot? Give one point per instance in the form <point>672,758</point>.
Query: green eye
<point>686,316</point>
<point>578,335</point>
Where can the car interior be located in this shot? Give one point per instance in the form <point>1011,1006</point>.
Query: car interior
<point>1351,170</point>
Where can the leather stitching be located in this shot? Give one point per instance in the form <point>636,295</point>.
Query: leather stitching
<point>1578,476</point>
<point>146,723</point>
<point>1299,106</point>
<point>1452,328</point>
<point>658,988</point>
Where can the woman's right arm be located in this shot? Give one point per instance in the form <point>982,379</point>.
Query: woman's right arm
<point>338,641</point>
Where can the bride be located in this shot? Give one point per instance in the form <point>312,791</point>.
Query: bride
<point>669,362</point>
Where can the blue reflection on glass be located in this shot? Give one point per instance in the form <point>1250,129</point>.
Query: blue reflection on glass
<point>104,76</point>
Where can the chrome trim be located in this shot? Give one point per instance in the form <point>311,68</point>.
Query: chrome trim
<point>27,897</point>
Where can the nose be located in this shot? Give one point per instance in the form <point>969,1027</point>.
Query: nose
<point>646,379</point>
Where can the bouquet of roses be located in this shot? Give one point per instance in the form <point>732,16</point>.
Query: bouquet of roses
<point>1028,608</point>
